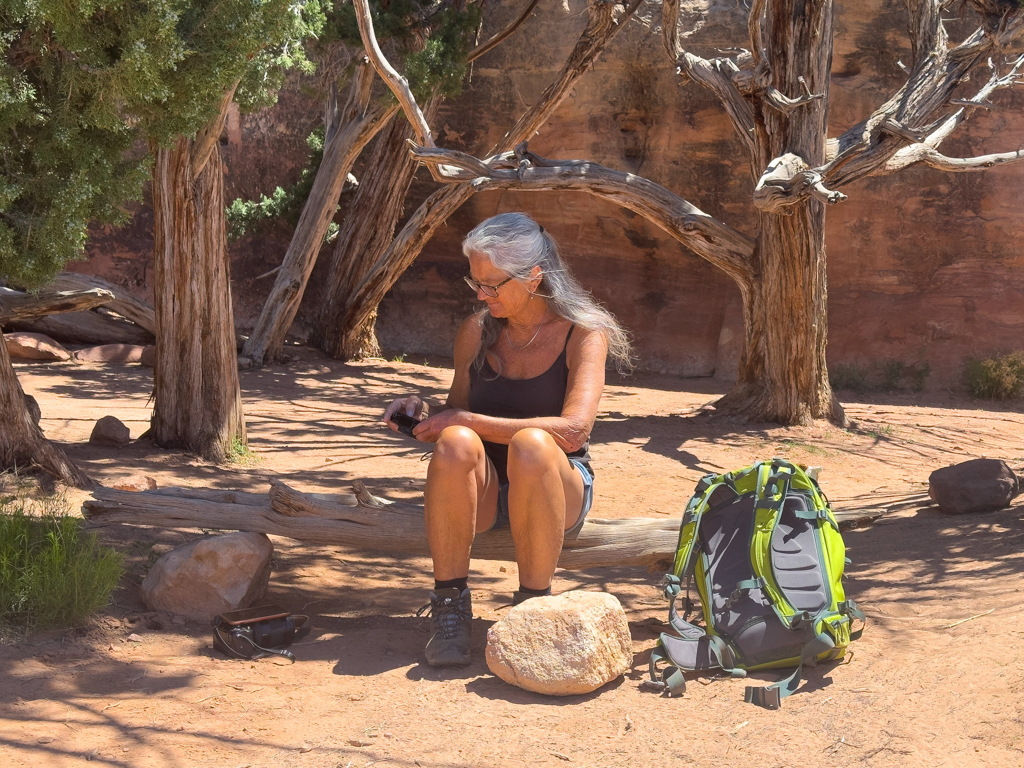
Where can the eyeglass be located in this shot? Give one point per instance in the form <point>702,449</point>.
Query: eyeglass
<point>487,290</point>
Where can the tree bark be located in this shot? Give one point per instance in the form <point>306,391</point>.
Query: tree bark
<point>368,230</point>
<point>605,20</point>
<point>22,444</point>
<point>348,133</point>
<point>198,403</point>
<point>783,376</point>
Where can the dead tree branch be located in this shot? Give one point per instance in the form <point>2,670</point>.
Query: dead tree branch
<point>918,152</point>
<point>395,82</point>
<point>721,245</point>
<point>722,76</point>
<point>909,116</point>
<point>503,35</point>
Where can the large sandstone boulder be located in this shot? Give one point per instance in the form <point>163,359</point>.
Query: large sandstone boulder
<point>210,576</point>
<point>978,485</point>
<point>110,430</point>
<point>561,645</point>
<point>111,353</point>
<point>34,346</point>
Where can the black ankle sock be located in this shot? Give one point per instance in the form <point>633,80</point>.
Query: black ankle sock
<point>534,592</point>
<point>459,584</point>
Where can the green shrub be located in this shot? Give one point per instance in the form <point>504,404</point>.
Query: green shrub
<point>855,377</point>
<point>884,376</point>
<point>996,378</point>
<point>52,573</point>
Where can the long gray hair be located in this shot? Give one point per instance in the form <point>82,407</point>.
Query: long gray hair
<point>516,244</point>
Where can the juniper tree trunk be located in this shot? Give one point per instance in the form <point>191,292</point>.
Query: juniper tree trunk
<point>782,374</point>
<point>22,444</point>
<point>368,229</point>
<point>198,404</point>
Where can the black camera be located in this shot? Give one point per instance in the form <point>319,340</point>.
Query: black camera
<point>405,423</point>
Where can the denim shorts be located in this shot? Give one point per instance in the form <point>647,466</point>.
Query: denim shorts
<point>501,518</point>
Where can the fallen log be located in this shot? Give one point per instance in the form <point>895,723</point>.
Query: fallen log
<point>125,304</point>
<point>17,306</point>
<point>367,522</point>
<point>86,328</point>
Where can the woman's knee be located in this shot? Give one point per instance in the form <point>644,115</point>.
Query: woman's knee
<point>531,451</point>
<point>457,447</point>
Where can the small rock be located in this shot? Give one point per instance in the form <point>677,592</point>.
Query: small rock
<point>244,363</point>
<point>978,485</point>
<point>135,483</point>
<point>210,576</point>
<point>148,357</point>
<point>111,353</point>
<point>179,621</point>
<point>34,346</point>
<point>134,638</point>
<point>110,431</point>
<point>561,645</point>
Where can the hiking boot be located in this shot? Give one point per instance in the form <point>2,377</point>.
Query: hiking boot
<point>450,617</point>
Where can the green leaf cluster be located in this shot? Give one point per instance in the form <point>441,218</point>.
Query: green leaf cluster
<point>85,85</point>
<point>246,216</point>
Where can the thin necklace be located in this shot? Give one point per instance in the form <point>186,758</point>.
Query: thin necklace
<point>532,339</point>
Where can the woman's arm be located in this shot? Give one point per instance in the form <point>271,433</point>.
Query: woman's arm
<point>585,356</point>
<point>467,341</point>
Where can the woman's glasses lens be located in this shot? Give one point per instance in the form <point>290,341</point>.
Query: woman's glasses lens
<point>487,290</point>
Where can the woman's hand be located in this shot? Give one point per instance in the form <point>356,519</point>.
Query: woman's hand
<point>430,429</point>
<point>410,406</point>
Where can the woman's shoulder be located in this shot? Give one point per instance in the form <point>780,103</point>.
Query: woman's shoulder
<point>467,340</point>
<point>584,343</point>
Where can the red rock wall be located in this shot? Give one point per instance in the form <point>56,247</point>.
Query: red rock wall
<point>924,267</point>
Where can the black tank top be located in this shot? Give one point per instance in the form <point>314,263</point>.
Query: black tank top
<point>544,395</point>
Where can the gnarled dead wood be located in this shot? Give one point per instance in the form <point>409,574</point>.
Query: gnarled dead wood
<point>91,327</point>
<point>719,243</point>
<point>130,307</point>
<point>343,520</point>
<point>15,305</point>
<point>362,521</point>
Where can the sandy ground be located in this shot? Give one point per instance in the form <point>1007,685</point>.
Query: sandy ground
<point>919,689</point>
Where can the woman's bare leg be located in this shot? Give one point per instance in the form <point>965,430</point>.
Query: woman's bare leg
<point>545,497</point>
<point>461,499</point>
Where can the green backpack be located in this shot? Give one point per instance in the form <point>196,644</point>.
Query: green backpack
<point>766,553</point>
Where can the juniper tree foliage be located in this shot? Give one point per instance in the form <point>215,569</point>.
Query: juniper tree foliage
<point>83,81</point>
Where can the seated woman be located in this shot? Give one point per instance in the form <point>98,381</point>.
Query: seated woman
<point>511,440</point>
